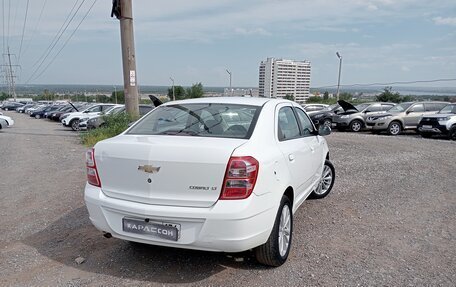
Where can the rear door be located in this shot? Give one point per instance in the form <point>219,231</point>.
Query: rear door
<point>294,148</point>
<point>314,159</point>
<point>413,115</point>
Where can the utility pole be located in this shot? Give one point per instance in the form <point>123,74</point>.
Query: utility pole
<point>229,73</point>
<point>122,9</point>
<point>172,80</point>
<point>340,68</point>
<point>9,75</point>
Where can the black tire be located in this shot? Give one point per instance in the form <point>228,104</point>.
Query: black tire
<point>426,135</point>
<point>452,133</point>
<point>74,124</point>
<point>317,194</point>
<point>327,122</point>
<point>356,126</point>
<point>269,253</point>
<point>37,116</point>
<point>394,128</point>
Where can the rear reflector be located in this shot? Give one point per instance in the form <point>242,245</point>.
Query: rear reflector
<point>92,173</point>
<point>240,178</point>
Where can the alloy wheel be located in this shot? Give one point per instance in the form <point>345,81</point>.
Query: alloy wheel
<point>325,182</point>
<point>284,230</point>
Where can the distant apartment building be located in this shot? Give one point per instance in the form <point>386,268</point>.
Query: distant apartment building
<point>279,78</point>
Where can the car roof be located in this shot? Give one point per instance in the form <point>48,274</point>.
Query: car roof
<point>228,100</point>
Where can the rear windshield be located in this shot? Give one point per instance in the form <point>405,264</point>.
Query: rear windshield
<point>206,120</point>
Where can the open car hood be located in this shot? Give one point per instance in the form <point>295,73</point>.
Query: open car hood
<point>346,106</point>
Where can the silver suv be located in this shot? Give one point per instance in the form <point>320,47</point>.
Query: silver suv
<point>442,123</point>
<point>354,117</point>
<point>403,116</point>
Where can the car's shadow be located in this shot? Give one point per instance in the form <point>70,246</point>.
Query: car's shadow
<point>73,236</point>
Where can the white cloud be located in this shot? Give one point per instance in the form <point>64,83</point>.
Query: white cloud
<point>451,21</point>
<point>248,32</point>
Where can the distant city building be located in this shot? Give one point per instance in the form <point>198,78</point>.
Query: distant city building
<point>279,78</point>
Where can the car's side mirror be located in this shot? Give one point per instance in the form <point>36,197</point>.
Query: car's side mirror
<point>324,130</point>
<point>408,112</point>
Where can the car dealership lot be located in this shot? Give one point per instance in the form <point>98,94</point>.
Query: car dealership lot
<point>390,220</point>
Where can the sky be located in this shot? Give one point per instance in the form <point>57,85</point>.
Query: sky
<point>196,41</point>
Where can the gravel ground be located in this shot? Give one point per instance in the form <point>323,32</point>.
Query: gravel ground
<point>390,220</point>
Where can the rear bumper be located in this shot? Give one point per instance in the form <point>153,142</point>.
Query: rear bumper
<point>227,226</point>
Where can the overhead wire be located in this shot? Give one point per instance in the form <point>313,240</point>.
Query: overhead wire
<point>23,31</point>
<point>57,34</point>
<point>66,42</point>
<point>56,41</point>
<point>389,83</point>
<point>38,22</point>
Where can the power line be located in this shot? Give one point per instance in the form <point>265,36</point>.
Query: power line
<point>57,34</point>
<point>66,42</point>
<point>390,83</point>
<point>35,27</point>
<point>23,30</point>
<point>55,43</point>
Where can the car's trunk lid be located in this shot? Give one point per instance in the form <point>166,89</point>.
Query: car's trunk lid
<point>164,170</point>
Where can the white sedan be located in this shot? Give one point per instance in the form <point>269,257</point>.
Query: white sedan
<point>5,121</point>
<point>216,174</point>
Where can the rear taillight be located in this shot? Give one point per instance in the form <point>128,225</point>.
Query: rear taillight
<point>92,173</point>
<point>240,177</point>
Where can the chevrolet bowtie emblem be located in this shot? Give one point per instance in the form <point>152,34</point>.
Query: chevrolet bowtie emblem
<point>149,168</point>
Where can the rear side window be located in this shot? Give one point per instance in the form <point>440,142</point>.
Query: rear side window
<point>417,108</point>
<point>306,124</point>
<point>386,107</point>
<point>287,124</point>
<point>373,108</point>
<point>206,120</point>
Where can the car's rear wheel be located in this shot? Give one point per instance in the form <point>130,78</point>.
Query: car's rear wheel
<point>394,128</point>
<point>37,116</point>
<point>74,125</point>
<point>275,251</point>
<point>356,126</point>
<point>328,177</point>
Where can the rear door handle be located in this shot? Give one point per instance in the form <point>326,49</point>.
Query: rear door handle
<point>291,157</point>
<point>312,149</point>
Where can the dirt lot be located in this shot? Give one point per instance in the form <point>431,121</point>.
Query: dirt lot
<point>390,220</point>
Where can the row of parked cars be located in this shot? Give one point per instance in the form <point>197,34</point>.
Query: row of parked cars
<point>426,118</point>
<point>77,116</point>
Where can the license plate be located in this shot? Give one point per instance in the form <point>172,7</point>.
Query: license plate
<point>427,126</point>
<point>164,231</point>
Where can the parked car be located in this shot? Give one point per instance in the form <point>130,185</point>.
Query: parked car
<point>72,119</point>
<point>404,116</point>
<point>325,116</point>
<point>83,122</point>
<point>97,121</point>
<point>11,106</point>
<point>442,123</point>
<point>5,121</point>
<point>34,108</point>
<point>314,107</point>
<point>183,176</point>
<point>26,106</point>
<point>40,113</point>
<point>55,115</point>
<point>354,117</point>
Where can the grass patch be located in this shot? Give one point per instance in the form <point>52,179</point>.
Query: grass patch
<point>114,125</point>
